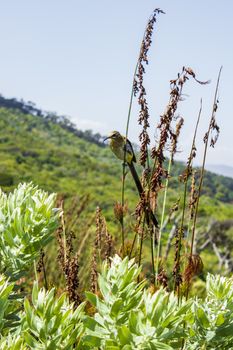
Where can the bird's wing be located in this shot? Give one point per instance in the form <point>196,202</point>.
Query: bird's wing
<point>129,149</point>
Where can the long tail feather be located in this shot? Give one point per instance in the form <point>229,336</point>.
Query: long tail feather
<point>136,178</point>
<point>149,214</point>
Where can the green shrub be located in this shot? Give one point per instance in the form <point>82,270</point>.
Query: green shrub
<point>127,316</point>
<point>9,306</point>
<point>211,323</point>
<point>27,219</point>
<point>51,323</point>
<point>12,343</point>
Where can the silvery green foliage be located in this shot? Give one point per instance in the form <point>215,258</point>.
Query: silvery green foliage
<point>121,294</point>
<point>51,323</point>
<point>12,342</point>
<point>6,290</point>
<point>211,323</point>
<point>159,322</point>
<point>127,318</point>
<point>27,219</point>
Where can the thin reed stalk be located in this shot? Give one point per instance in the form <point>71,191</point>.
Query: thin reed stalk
<point>174,137</point>
<point>137,86</point>
<point>63,234</point>
<point>45,274</point>
<point>123,203</point>
<point>132,246</point>
<point>41,267</point>
<point>35,271</point>
<point>192,205</point>
<point>123,166</point>
<point>188,171</point>
<point>212,126</point>
<point>185,177</point>
<point>152,254</point>
<point>162,221</point>
<point>141,241</point>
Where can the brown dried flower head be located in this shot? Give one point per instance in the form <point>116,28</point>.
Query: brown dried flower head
<point>166,119</point>
<point>120,211</point>
<point>163,279</point>
<point>194,267</point>
<point>72,280</point>
<point>175,136</point>
<point>177,263</point>
<point>215,130</point>
<point>139,88</point>
<point>193,195</point>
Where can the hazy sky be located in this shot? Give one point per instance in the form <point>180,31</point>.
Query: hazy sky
<point>77,58</point>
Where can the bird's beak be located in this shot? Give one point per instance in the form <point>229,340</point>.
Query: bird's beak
<point>107,138</point>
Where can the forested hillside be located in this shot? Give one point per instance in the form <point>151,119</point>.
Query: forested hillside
<point>35,148</point>
<point>50,151</point>
<point>46,150</point>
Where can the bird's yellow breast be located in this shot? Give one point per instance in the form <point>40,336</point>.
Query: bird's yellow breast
<point>118,148</point>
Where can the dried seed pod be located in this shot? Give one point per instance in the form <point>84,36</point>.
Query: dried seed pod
<point>194,267</point>
<point>193,195</point>
<point>120,211</point>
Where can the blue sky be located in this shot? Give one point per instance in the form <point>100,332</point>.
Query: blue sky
<point>77,58</point>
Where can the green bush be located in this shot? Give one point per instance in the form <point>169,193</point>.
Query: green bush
<point>6,291</point>
<point>126,316</point>
<point>211,323</point>
<point>10,342</point>
<point>50,322</point>
<point>27,219</point>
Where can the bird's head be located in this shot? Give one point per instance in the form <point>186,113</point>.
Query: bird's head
<point>114,135</point>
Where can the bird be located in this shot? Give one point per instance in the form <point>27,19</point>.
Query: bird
<point>123,150</point>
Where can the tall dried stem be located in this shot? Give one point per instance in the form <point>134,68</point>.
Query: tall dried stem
<point>212,127</point>
<point>165,127</point>
<point>172,153</point>
<point>185,178</point>
<point>138,87</point>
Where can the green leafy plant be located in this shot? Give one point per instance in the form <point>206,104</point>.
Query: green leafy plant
<point>51,323</point>
<point>6,306</point>
<point>27,219</point>
<point>211,323</point>
<point>121,294</point>
<point>127,317</point>
<point>12,343</point>
<point>158,323</point>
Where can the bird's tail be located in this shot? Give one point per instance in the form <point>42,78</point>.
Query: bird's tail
<point>148,212</point>
<point>136,178</point>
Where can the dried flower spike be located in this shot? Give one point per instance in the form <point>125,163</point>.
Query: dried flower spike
<point>139,88</point>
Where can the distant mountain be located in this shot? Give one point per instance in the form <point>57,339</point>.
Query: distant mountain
<point>220,169</point>
<point>63,121</point>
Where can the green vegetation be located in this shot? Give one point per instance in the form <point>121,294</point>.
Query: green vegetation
<point>114,268</point>
<point>27,221</point>
<point>35,149</point>
<point>124,315</point>
<point>40,149</point>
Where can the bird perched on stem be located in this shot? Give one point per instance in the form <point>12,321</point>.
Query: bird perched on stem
<point>123,149</point>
